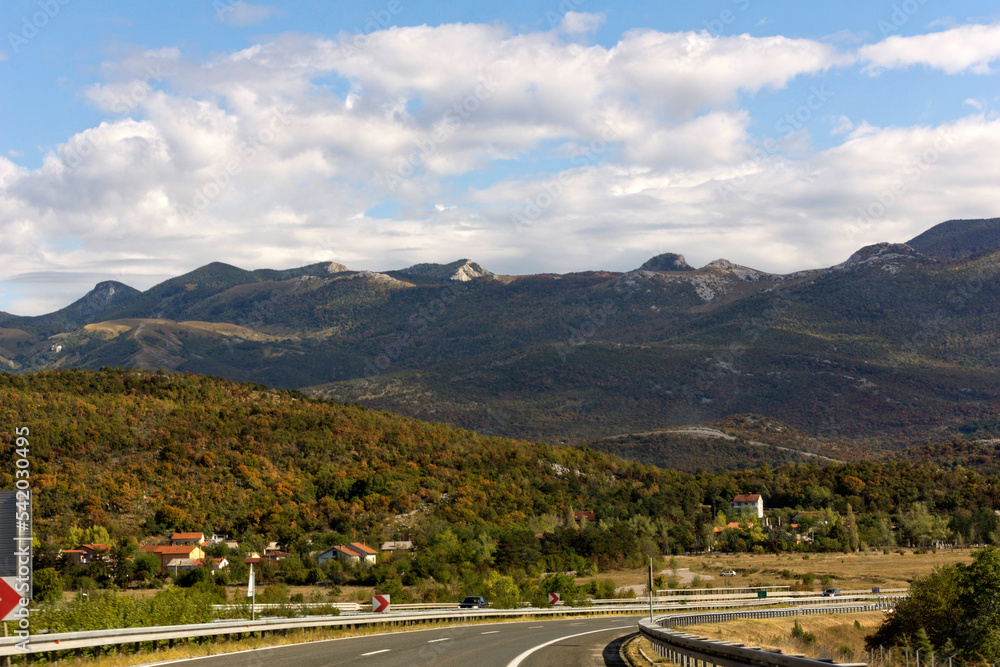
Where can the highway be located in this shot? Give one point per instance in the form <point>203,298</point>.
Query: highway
<point>571,643</point>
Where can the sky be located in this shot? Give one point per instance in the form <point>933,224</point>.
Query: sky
<point>139,141</point>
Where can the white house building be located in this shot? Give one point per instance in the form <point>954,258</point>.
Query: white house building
<point>748,502</point>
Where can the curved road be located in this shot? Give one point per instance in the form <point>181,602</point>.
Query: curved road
<point>570,643</point>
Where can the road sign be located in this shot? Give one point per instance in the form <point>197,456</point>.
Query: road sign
<point>9,598</point>
<point>380,603</point>
<point>553,598</point>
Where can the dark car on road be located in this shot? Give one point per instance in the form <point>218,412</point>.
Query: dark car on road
<point>473,602</point>
<point>831,592</point>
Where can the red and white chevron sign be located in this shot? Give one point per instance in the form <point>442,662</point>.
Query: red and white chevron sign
<point>553,598</point>
<point>380,603</point>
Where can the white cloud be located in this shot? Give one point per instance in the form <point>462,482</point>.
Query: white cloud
<point>243,14</point>
<point>256,159</point>
<point>580,22</point>
<point>842,125</point>
<point>965,48</point>
<point>974,103</point>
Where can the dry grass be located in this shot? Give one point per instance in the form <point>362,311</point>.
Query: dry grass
<point>639,652</point>
<point>858,571</point>
<point>837,636</point>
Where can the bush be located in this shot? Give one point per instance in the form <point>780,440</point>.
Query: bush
<point>802,635</point>
<point>48,585</point>
<point>103,611</point>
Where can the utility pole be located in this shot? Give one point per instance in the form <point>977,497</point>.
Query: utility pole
<point>650,589</point>
<point>252,594</point>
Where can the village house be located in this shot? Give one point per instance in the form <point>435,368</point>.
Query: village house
<point>178,565</point>
<point>166,553</point>
<point>748,502</point>
<point>355,552</point>
<point>183,539</point>
<point>733,525</point>
<point>88,553</point>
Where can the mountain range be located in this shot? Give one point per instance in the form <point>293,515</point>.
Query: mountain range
<point>895,346</point>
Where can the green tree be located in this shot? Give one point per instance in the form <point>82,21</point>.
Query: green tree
<point>48,585</point>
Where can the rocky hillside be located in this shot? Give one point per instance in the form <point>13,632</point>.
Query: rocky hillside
<point>895,346</point>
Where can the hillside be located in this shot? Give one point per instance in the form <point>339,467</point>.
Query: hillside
<point>137,452</point>
<point>142,453</point>
<point>956,239</point>
<point>896,346</point>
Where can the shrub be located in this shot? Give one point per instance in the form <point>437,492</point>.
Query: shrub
<point>802,635</point>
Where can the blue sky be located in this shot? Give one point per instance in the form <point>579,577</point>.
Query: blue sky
<point>142,140</point>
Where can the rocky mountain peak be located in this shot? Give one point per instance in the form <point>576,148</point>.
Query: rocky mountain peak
<point>462,270</point>
<point>741,272</point>
<point>104,293</point>
<point>880,253</point>
<point>668,261</point>
<point>335,267</point>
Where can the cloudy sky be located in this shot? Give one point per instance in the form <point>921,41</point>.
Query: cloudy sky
<point>139,141</point>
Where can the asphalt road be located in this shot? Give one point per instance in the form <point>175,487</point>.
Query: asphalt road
<point>580,642</point>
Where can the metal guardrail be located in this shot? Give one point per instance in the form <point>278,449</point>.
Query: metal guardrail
<point>98,639</point>
<point>155,636</point>
<point>687,649</point>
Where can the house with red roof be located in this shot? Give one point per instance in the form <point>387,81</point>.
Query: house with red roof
<point>180,539</point>
<point>355,552</point>
<point>748,502</point>
<point>168,552</point>
<point>88,553</point>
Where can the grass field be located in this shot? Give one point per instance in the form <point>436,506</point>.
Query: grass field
<point>837,636</point>
<point>860,571</point>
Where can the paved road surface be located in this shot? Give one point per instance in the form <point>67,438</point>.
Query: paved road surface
<point>580,642</point>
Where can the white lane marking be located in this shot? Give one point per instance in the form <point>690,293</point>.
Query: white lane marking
<point>519,659</point>
<point>491,632</point>
<point>533,627</point>
<point>385,650</point>
<point>443,639</point>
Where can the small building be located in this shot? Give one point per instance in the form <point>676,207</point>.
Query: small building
<point>78,556</point>
<point>219,564</point>
<point>166,553</point>
<point>366,553</point>
<point>732,525</point>
<point>355,552</point>
<point>88,553</point>
<point>584,514</point>
<point>178,565</point>
<point>749,502</point>
<point>180,539</point>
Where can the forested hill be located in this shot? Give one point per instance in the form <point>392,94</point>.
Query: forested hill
<point>142,453</point>
<point>139,451</point>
